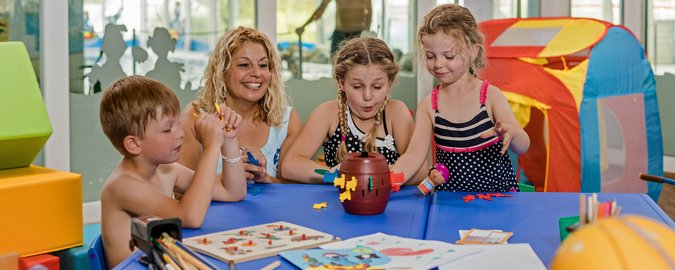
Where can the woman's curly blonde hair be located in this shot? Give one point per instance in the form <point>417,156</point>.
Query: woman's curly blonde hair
<point>271,107</point>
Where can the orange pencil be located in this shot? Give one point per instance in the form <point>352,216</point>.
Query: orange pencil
<point>220,115</point>
<point>218,110</point>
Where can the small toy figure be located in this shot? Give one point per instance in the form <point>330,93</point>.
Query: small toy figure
<point>438,174</point>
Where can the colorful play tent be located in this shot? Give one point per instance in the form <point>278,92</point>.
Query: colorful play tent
<point>585,93</point>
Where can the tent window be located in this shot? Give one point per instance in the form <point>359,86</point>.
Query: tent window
<point>526,36</point>
<point>623,143</point>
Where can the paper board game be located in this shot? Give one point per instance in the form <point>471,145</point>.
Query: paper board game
<point>255,242</point>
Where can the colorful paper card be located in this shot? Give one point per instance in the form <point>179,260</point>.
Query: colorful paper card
<point>484,237</point>
<point>406,253</point>
<point>255,242</point>
<point>513,256</point>
<point>359,257</point>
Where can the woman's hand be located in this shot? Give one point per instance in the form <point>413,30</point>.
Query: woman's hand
<point>257,173</point>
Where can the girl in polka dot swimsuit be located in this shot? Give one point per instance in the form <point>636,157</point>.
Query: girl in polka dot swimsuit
<point>361,119</point>
<point>471,122</point>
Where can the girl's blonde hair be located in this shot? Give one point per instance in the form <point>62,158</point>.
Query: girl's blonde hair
<point>361,51</point>
<point>271,107</point>
<point>456,21</point>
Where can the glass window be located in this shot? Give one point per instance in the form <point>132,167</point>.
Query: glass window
<point>168,40</point>
<point>661,36</point>
<point>20,21</point>
<point>388,20</point>
<point>498,9</point>
<point>606,10</point>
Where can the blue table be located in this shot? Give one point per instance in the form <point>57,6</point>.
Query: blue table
<point>531,216</point>
<point>405,215</point>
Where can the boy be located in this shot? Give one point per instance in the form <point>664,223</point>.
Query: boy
<point>139,116</point>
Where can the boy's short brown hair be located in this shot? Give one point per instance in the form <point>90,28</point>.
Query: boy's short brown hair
<point>129,103</point>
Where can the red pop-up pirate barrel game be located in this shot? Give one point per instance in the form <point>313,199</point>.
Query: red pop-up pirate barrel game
<point>364,183</point>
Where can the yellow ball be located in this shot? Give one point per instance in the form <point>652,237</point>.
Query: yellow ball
<point>626,242</point>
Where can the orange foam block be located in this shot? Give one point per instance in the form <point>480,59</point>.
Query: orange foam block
<point>9,261</point>
<point>41,210</point>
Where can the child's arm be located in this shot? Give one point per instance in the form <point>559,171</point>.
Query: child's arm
<point>506,124</point>
<point>140,198</point>
<point>403,131</point>
<point>411,161</point>
<point>208,131</point>
<point>298,164</point>
<point>294,127</point>
<point>232,184</point>
<point>191,149</point>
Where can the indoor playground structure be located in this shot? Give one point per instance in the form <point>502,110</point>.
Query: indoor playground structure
<point>586,95</point>
<point>41,207</point>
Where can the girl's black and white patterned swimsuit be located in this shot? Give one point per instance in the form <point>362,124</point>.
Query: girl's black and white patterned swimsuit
<point>385,146</point>
<point>476,164</point>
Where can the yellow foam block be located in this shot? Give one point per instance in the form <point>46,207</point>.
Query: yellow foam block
<point>41,210</point>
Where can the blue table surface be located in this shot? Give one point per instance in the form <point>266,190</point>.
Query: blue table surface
<point>531,216</point>
<point>405,215</point>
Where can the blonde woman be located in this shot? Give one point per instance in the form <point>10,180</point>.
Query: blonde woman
<point>244,73</point>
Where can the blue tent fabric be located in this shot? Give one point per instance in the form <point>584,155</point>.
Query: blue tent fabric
<point>618,53</point>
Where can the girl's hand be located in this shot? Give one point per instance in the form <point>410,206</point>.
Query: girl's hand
<point>256,173</point>
<point>230,119</point>
<point>500,129</point>
<point>207,129</point>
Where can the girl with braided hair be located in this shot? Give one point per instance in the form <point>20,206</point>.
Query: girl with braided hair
<point>361,119</point>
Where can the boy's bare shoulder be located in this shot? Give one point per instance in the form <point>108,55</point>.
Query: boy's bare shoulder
<point>125,181</point>
<point>119,181</point>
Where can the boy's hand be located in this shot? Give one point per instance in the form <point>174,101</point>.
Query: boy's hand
<point>503,130</point>
<point>256,173</point>
<point>231,120</point>
<point>208,129</point>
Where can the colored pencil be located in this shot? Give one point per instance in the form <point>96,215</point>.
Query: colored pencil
<point>656,179</point>
<point>582,209</point>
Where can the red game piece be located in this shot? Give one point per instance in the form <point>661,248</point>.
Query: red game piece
<point>468,198</point>
<point>269,242</point>
<point>268,236</point>
<point>290,232</point>
<point>484,197</point>
<point>304,237</point>
<point>241,232</point>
